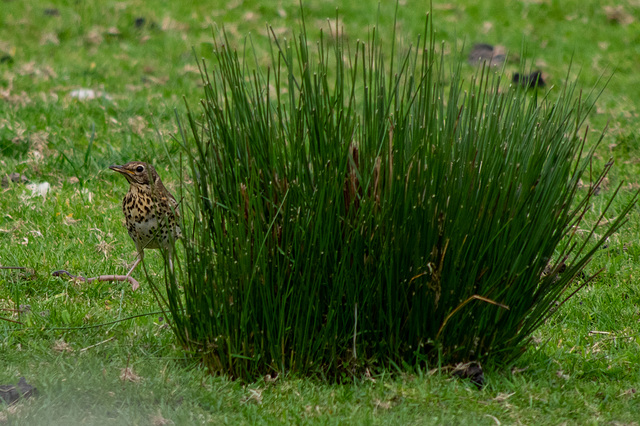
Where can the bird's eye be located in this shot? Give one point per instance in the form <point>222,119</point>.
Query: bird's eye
<point>139,169</point>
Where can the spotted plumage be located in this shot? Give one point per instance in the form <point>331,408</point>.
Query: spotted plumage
<point>150,211</point>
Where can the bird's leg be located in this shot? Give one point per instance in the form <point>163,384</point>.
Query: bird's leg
<point>133,267</point>
<point>170,257</point>
<point>134,283</point>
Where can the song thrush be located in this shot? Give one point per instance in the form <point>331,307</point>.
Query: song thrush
<point>150,213</point>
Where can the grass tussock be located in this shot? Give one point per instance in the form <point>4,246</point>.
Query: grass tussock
<point>349,209</point>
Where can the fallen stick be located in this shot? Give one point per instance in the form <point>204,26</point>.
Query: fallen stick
<point>10,320</point>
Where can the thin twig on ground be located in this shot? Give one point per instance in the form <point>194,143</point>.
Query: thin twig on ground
<point>97,344</point>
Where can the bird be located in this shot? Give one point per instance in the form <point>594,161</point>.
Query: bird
<point>151,217</point>
<point>150,211</point>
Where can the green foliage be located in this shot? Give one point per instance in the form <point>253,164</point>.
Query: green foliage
<point>346,211</point>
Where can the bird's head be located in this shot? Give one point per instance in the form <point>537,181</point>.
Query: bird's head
<point>138,173</point>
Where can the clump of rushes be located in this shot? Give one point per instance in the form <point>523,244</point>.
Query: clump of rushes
<point>346,211</point>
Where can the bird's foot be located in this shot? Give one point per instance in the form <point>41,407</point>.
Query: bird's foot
<point>134,283</point>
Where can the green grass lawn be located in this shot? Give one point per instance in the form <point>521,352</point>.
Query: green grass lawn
<point>92,365</point>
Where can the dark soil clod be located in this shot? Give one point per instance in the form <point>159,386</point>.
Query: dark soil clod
<point>470,370</point>
<point>11,394</point>
<point>530,81</point>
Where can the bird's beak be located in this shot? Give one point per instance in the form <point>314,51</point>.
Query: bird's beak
<point>120,169</point>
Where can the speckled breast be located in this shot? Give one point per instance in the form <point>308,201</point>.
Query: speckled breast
<point>148,221</point>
